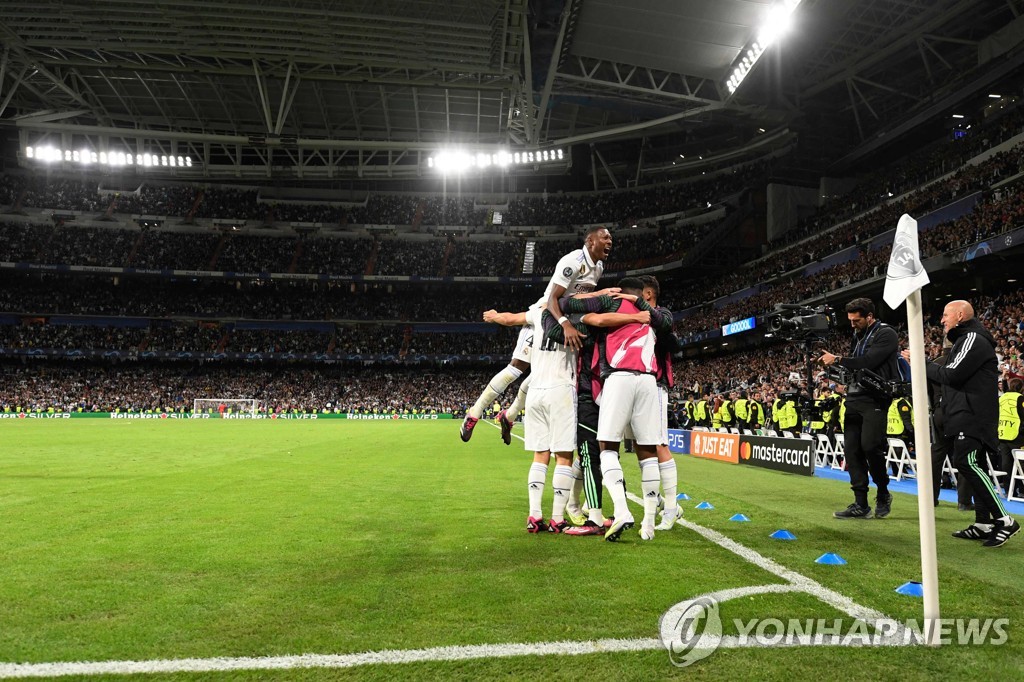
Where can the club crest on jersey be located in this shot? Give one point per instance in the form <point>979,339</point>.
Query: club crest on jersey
<point>567,272</point>
<point>583,269</point>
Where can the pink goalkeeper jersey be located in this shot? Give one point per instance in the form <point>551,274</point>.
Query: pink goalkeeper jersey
<point>631,346</point>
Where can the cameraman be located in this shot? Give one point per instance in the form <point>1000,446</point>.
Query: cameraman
<point>875,346</point>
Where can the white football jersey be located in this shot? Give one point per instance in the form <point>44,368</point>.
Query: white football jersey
<point>576,272</point>
<point>551,364</point>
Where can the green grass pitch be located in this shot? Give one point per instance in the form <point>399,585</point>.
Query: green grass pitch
<point>166,540</point>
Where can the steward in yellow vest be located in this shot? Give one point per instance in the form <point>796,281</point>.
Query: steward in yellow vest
<point>1010,416</point>
<point>900,421</point>
<point>741,408</point>
<point>1011,436</point>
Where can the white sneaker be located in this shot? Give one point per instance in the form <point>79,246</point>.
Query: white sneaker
<point>646,532</point>
<point>668,519</point>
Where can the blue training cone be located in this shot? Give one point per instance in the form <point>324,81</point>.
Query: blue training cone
<point>830,559</point>
<point>739,517</point>
<point>682,496</point>
<point>782,534</point>
<point>911,589</point>
<point>705,505</point>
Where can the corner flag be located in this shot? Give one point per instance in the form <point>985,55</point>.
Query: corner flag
<point>903,281</point>
<point>905,273</point>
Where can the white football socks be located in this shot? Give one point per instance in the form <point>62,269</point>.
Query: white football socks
<point>669,484</point>
<point>495,387</point>
<point>650,482</point>
<point>611,470</point>
<point>535,483</point>
<point>561,483</point>
<point>513,410</point>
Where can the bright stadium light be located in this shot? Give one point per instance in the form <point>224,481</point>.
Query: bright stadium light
<point>455,161</point>
<point>49,154</point>
<point>777,22</point>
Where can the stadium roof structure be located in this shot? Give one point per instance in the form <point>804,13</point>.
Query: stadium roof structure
<point>369,88</point>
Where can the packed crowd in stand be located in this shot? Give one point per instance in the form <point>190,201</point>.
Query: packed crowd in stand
<point>991,216</point>
<point>70,244</point>
<point>267,300</point>
<point>173,387</point>
<point>141,386</point>
<point>543,209</point>
<point>769,370</point>
<point>914,170</point>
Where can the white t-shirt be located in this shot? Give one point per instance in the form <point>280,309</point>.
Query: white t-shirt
<point>551,364</point>
<point>576,272</point>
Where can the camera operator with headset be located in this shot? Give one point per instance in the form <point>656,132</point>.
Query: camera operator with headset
<point>875,348</point>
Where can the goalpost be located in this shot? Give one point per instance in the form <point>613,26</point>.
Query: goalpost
<point>218,406</point>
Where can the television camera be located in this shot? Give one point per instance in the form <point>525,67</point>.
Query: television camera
<point>805,326</point>
<point>880,387</point>
<point>796,322</point>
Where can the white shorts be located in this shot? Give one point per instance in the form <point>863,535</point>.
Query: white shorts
<point>632,401</point>
<point>523,344</point>
<point>550,420</point>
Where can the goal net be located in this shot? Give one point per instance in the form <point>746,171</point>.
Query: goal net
<point>221,406</point>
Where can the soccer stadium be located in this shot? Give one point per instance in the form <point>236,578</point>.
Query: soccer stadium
<point>329,332</point>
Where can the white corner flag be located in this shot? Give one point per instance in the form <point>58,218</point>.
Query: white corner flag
<point>905,273</point>
<point>903,281</point>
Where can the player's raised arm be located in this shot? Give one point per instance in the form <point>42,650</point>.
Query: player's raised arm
<point>616,319</point>
<point>505,319</point>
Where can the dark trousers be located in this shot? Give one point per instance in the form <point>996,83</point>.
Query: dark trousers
<point>865,447</point>
<point>969,460</point>
<point>941,447</point>
<point>589,450</point>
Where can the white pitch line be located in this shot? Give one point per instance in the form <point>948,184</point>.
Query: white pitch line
<point>391,656</point>
<point>805,584</point>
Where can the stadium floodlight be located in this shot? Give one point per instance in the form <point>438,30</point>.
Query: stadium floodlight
<point>49,154</point>
<point>776,23</point>
<point>455,161</point>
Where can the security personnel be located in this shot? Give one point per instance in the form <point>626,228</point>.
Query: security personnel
<point>741,408</point>
<point>700,412</point>
<point>830,416</point>
<point>1011,436</point>
<point>725,414</point>
<point>776,413</point>
<point>756,411</point>
<point>818,420</point>
<point>789,417</point>
<point>689,411</point>
<point>716,413</point>
<point>900,420</point>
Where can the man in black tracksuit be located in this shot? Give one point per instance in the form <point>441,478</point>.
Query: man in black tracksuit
<point>970,400</point>
<point>875,348</point>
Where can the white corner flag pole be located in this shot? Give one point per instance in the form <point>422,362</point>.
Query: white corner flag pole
<point>904,279</point>
<point>925,491</point>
